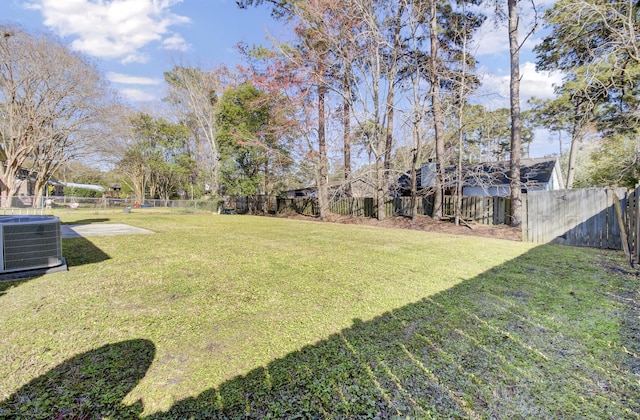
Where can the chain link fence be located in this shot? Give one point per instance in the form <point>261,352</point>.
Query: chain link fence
<point>32,205</point>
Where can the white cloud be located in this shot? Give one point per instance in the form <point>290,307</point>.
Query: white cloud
<point>491,39</point>
<point>545,143</point>
<point>111,28</point>
<point>175,43</point>
<point>140,58</point>
<point>536,83</point>
<point>494,92</point>
<point>137,95</point>
<point>131,80</point>
<point>494,41</point>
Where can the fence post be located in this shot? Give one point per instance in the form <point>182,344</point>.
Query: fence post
<point>623,229</point>
<point>637,223</point>
<point>525,217</point>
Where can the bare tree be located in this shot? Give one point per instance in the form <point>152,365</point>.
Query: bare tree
<point>377,70</point>
<point>194,93</point>
<point>52,106</point>
<point>463,88</point>
<point>414,70</point>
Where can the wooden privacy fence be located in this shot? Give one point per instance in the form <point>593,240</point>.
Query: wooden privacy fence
<point>307,206</point>
<point>249,204</point>
<point>484,210</point>
<point>359,207</point>
<point>581,217</point>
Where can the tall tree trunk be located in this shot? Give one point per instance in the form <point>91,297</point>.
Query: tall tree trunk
<point>516,118</point>
<point>323,190</point>
<point>8,189</point>
<point>462,99</point>
<point>388,142</point>
<point>581,109</point>
<point>573,155</point>
<point>380,193</point>
<point>39,189</point>
<point>437,112</point>
<point>346,127</point>
<point>416,124</point>
<point>266,176</point>
<point>415,155</point>
<point>560,143</point>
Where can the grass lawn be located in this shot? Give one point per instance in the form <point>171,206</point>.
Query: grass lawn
<point>234,316</point>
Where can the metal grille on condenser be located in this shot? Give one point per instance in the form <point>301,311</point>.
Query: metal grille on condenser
<point>28,246</point>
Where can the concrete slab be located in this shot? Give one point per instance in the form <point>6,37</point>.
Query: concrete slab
<point>100,229</point>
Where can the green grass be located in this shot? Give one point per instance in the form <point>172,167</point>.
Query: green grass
<point>229,316</point>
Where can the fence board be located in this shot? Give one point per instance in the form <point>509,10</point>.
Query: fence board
<point>623,230</point>
<point>635,215</point>
<point>630,208</point>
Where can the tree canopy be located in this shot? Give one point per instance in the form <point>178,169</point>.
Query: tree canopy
<point>54,106</point>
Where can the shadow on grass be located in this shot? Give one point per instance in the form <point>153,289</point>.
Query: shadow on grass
<point>9,283</point>
<point>90,385</point>
<point>87,221</point>
<point>79,251</point>
<point>76,251</point>
<point>519,341</point>
<point>542,336</point>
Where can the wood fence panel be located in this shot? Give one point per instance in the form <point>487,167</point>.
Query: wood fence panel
<point>467,208</point>
<point>398,206</point>
<point>427,205</point>
<point>614,234</point>
<point>307,205</point>
<point>582,217</point>
<point>484,210</point>
<point>369,208</point>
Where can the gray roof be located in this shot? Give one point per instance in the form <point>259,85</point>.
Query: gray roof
<point>532,172</point>
<point>84,186</point>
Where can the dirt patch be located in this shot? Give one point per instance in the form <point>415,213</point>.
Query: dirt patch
<point>425,223</point>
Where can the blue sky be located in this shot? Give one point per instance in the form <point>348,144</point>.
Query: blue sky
<point>135,41</point>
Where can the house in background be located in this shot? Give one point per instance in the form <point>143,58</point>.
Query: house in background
<point>359,188</point>
<point>25,183</point>
<point>488,179</point>
<point>56,188</point>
